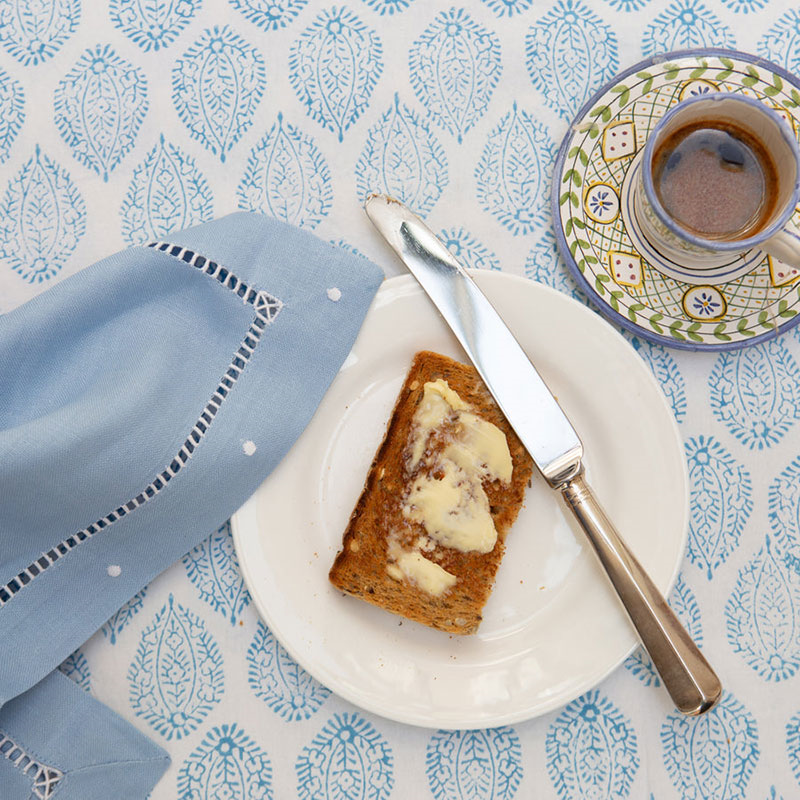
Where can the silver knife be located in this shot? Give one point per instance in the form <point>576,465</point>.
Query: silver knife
<point>551,440</point>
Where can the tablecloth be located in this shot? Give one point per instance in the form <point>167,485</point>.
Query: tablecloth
<point>121,120</point>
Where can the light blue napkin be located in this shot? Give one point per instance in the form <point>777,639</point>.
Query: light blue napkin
<point>142,401</point>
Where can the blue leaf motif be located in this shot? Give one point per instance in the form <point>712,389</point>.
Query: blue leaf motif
<point>664,367</point>
<point>513,174</point>
<point>166,193</point>
<point>287,177</point>
<point>773,794</point>
<point>784,513</point>
<point>42,219</point>
<point>781,42</point>
<point>12,112</point>
<point>763,615</point>
<point>467,249</point>
<point>112,629</point>
<point>685,24</point>
<point>544,265</point>
<point>744,6</point>
<point>227,764</point>
<point>34,32</point>
<point>281,683</point>
<point>474,765</point>
<point>592,750</point>
<point>347,758</point>
<point>403,159</point>
<point>627,5</point>
<point>455,65</point>
<point>216,86</point>
<point>334,66</point>
<point>176,676</point>
<point>793,744</point>
<point>507,8</point>
<point>152,24</point>
<point>388,6</point>
<point>570,51</point>
<point>755,393</point>
<point>349,247</point>
<point>270,14</point>
<point>713,756</point>
<point>99,106</point>
<point>684,603</point>
<point>76,667</point>
<point>721,502</point>
<point>214,569</point>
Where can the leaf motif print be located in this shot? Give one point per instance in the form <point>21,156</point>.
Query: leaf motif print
<point>685,24</point>
<point>781,42</point>
<point>711,757</point>
<point>287,178</point>
<point>784,513</point>
<point>99,106</point>
<point>347,758</point>
<point>226,765</point>
<point>569,52</point>
<point>117,623</point>
<point>216,86</point>
<point>166,193</point>
<point>76,668</point>
<point>334,66</point>
<point>214,569</point>
<point>12,112</point>
<point>744,6</point>
<point>474,765</point>
<point>720,500</point>
<point>270,14</point>
<point>388,6</point>
<point>592,750</point>
<point>507,8</point>
<point>455,65</point>
<point>666,371</point>
<point>468,250</point>
<point>152,24</point>
<point>763,615</point>
<point>755,393</point>
<point>281,683</point>
<point>175,677</point>
<point>627,5</point>
<point>404,159</point>
<point>32,32</point>
<point>544,265</point>
<point>793,745</point>
<point>513,174</point>
<point>42,219</point>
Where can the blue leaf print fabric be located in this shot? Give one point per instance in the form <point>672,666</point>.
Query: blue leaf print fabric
<point>33,32</point>
<point>755,393</point>
<point>569,52</point>
<point>390,7</point>
<point>784,513</point>
<point>592,750</point>
<point>214,569</point>
<point>468,250</point>
<point>12,112</point>
<point>112,629</point>
<point>683,25</point>
<point>713,756</point>
<point>287,177</point>
<point>666,371</point>
<point>217,85</point>
<point>474,765</point>
<point>744,6</point>
<point>543,264</point>
<point>334,66</point>
<point>176,676</point>
<point>270,14</point>
<point>513,174</point>
<point>226,765</point>
<point>781,42</point>
<point>99,106</point>
<point>793,744</point>
<point>404,159</point>
<point>627,5</point>
<point>347,758</point>
<point>763,615</point>
<point>42,219</point>
<point>455,65</point>
<point>152,24</point>
<point>507,8</point>
<point>167,193</point>
<point>281,683</point>
<point>720,502</point>
<point>76,667</point>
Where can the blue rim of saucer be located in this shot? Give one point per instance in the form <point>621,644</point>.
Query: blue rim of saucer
<point>583,283</point>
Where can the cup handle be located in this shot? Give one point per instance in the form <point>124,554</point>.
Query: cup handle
<point>785,245</point>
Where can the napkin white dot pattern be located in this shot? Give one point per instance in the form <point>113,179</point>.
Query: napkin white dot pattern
<point>334,294</point>
<point>249,447</point>
<point>114,570</point>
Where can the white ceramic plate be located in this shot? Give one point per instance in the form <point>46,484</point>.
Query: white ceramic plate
<point>553,627</point>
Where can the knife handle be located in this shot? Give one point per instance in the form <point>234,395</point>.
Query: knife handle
<point>687,676</point>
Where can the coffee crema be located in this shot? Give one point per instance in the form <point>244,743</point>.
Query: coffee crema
<point>715,180</point>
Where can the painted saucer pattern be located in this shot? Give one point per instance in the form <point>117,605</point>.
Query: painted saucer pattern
<point>590,196</point>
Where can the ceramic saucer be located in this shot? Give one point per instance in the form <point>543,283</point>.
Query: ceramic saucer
<point>724,303</point>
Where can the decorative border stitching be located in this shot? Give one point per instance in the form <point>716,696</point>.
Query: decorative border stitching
<point>45,778</point>
<point>266,309</point>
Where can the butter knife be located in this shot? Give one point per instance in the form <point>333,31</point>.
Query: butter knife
<point>551,440</point>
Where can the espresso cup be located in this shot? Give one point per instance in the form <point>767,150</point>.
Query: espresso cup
<point>720,174</point>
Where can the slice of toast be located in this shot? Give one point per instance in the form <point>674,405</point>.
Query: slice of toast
<point>379,528</point>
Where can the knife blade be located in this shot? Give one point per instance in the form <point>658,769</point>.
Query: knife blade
<point>546,432</point>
